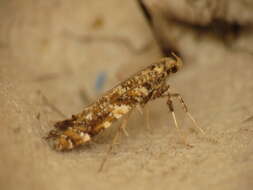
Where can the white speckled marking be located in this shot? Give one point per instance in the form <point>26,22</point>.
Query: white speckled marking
<point>85,137</point>
<point>143,90</point>
<point>70,144</point>
<point>89,116</point>
<point>120,110</point>
<point>158,69</point>
<point>107,124</point>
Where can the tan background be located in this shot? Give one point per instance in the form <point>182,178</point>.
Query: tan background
<point>51,53</point>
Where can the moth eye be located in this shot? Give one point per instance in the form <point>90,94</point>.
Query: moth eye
<point>174,69</point>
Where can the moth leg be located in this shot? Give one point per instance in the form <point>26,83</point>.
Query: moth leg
<point>144,111</point>
<point>139,109</point>
<point>171,108</point>
<point>185,108</point>
<point>114,140</point>
<point>147,118</point>
<point>122,128</point>
<point>124,125</point>
<point>162,92</point>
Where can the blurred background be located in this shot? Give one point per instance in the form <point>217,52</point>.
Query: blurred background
<point>58,56</point>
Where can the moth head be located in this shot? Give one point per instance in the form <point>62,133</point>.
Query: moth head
<point>173,63</point>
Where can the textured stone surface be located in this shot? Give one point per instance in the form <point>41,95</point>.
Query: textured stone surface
<point>59,48</point>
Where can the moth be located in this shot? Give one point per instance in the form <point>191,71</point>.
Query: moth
<point>146,85</point>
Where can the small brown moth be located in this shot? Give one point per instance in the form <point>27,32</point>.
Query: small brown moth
<point>144,86</point>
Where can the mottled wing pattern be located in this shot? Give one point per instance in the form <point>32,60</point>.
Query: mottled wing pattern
<point>136,90</point>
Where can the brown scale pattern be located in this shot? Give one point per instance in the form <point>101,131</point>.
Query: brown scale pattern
<point>138,89</point>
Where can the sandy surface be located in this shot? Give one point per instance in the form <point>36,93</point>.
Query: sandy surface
<point>41,57</point>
